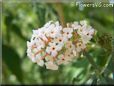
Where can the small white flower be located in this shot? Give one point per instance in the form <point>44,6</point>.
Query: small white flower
<point>69,54</point>
<point>40,34</point>
<point>38,56</point>
<point>40,44</point>
<point>65,59</point>
<point>31,56</point>
<point>76,26</point>
<point>48,58</point>
<point>54,30</point>
<point>69,45</point>
<point>59,41</point>
<point>48,24</point>
<point>58,26</point>
<point>52,49</point>
<point>86,33</point>
<point>34,50</point>
<point>54,33</point>
<point>80,46</point>
<point>51,65</point>
<point>40,62</point>
<point>83,22</point>
<point>33,59</point>
<point>81,30</point>
<point>29,44</point>
<point>67,32</point>
<point>85,39</point>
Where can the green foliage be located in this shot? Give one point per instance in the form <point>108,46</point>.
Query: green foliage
<point>18,21</point>
<point>13,61</point>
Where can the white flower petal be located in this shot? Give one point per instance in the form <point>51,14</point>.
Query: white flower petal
<point>51,65</point>
<point>53,53</point>
<point>40,62</point>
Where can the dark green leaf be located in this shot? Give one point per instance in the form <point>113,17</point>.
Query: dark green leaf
<point>13,61</point>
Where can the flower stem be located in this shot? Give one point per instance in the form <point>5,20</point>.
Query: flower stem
<point>59,9</point>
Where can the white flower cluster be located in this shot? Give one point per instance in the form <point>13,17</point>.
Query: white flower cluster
<point>53,45</point>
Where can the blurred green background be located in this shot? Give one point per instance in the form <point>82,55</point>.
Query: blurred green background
<point>18,21</point>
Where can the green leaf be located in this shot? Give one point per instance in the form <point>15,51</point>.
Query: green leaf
<point>111,63</point>
<point>94,80</point>
<point>13,61</point>
<point>11,27</point>
<point>41,13</point>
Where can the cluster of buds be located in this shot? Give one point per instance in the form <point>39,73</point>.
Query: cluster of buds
<point>53,45</point>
